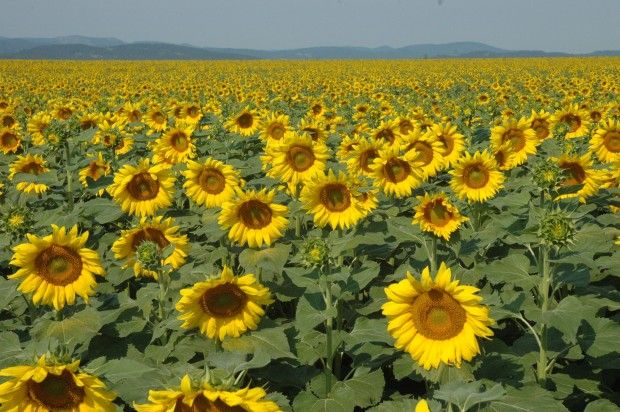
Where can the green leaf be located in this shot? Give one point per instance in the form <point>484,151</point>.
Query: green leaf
<point>340,399</point>
<point>310,312</point>
<point>80,327</point>
<point>513,269</point>
<point>369,330</point>
<point>8,291</point>
<point>601,405</point>
<point>467,395</point>
<point>529,398</point>
<point>102,210</point>
<point>567,316</point>
<point>600,337</point>
<point>10,348</point>
<point>264,344</point>
<point>367,387</point>
<point>268,261</point>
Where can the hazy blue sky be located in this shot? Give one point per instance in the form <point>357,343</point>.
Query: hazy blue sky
<point>551,25</point>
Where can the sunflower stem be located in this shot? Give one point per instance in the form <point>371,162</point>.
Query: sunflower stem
<point>545,284</point>
<point>433,255</point>
<point>329,324</point>
<point>298,226</point>
<point>69,177</point>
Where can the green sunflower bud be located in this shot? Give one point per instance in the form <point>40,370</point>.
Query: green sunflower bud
<point>148,254</point>
<point>557,229</point>
<point>315,252</point>
<point>547,175</point>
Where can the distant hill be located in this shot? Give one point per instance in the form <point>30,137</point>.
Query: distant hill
<point>93,48</point>
<point>12,45</point>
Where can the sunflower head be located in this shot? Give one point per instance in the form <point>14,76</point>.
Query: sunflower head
<point>557,228</point>
<point>315,252</point>
<point>224,306</point>
<point>547,175</point>
<point>476,177</point>
<point>53,386</point>
<point>437,215</point>
<point>436,320</point>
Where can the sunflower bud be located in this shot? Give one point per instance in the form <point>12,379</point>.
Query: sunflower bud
<point>557,228</point>
<point>315,252</point>
<point>547,175</point>
<point>148,255</point>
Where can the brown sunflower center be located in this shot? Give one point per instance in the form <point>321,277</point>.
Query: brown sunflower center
<point>212,181</point>
<point>300,158</point>
<point>312,131</point>
<point>317,109</point>
<point>335,197</point>
<point>425,152</point>
<point>64,113</point>
<point>575,173</point>
<point>34,168</point>
<point>386,134</point>
<point>58,265</point>
<point>202,404</point>
<point>541,126</point>
<point>255,214</point>
<point>223,301</point>
<point>149,234</point>
<point>437,213</point>
<point>595,115</point>
<point>143,187</point>
<point>96,170</point>
<point>612,141</point>
<point>396,170</point>
<point>193,111</point>
<point>405,126</point>
<point>179,141</point>
<point>245,121</point>
<point>437,315</point>
<point>476,176</point>
<point>158,117</point>
<point>276,131</point>
<point>88,124</point>
<point>515,137</point>
<point>367,158</point>
<point>448,143</point>
<point>8,120</point>
<point>573,121</point>
<point>9,139</point>
<point>56,392</point>
<point>500,157</point>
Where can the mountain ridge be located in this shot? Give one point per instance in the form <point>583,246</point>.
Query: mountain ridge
<point>95,48</point>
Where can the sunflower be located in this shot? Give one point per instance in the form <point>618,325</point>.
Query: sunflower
<point>144,189</point>
<point>90,121</point>
<point>10,140</point>
<point>37,125</point>
<point>437,215</point>
<point>577,120</point>
<point>175,146</point>
<point>406,126</point>
<point>578,171</point>
<point>56,267</point>
<point>452,141</point>
<point>427,151</point>
<point>8,120</point>
<point>156,119</point>
<point>387,132</point>
<point>158,230</point>
<point>50,386</point>
<point>314,128</point>
<point>476,178</point>
<point>362,157</point>
<point>253,219</point>
<point>274,127</point>
<point>518,134</point>
<point>397,174</point>
<point>541,123</point>
<point>191,113</point>
<point>95,170</point>
<point>606,141</point>
<point>245,123</point>
<point>333,200</point>
<point>436,321</point>
<point>190,397</point>
<point>227,306</point>
<point>211,183</point>
<point>297,159</point>
<point>504,156</point>
<point>131,112</point>
<point>30,164</point>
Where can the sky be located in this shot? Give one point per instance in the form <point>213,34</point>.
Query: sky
<point>572,26</point>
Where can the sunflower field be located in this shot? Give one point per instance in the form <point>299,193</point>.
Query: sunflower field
<point>310,236</point>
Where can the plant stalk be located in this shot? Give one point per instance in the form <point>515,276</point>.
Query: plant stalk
<point>545,284</point>
<point>69,177</point>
